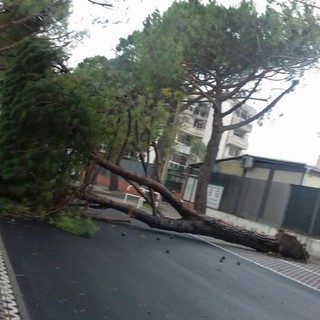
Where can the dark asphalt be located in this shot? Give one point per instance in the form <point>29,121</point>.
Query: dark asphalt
<point>136,273</point>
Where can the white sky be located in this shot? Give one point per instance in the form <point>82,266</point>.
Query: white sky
<point>293,136</point>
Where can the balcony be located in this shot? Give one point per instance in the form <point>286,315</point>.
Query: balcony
<point>246,128</point>
<point>192,130</point>
<point>237,142</point>
<point>183,148</point>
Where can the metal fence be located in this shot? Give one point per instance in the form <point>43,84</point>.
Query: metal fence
<point>303,210</point>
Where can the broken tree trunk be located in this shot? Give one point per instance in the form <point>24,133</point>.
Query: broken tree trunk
<point>208,226</point>
<point>196,222</point>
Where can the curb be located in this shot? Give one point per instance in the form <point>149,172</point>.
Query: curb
<point>12,306</point>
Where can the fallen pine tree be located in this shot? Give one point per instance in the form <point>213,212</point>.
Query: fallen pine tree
<point>191,221</point>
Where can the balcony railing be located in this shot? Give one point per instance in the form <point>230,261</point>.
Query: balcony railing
<point>195,131</point>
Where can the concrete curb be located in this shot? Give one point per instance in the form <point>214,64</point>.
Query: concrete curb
<point>13,305</point>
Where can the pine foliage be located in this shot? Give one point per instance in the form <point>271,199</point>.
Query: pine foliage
<point>42,127</point>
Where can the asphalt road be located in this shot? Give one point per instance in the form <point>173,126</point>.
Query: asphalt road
<point>138,273</point>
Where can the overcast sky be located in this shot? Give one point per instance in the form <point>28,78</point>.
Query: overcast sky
<point>291,134</point>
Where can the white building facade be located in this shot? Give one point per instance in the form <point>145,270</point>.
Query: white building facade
<point>196,123</point>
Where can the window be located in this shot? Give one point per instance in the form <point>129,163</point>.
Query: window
<point>202,109</point>
<point>234,152</point>
<point>242,114</point>
<point>239,133</point>
<point>184,138</point>
<point>181,138</point>
<point>198,123</point>
<point>179,159</point>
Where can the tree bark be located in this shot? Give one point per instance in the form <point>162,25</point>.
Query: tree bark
<point>201,225</point>
<point>114,182</point>
<point>183,210</point>
<point>194,222</point>
<point>200,203</point>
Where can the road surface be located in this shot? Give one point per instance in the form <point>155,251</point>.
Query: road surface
<point>128,273</point>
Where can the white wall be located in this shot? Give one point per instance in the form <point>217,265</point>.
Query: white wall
<point>226,121</point>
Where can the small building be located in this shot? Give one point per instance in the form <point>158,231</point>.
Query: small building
<point>267,169</point>
<point>277,192</point>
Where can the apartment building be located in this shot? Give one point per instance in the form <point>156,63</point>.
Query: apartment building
<point>235,142</point>
<point>196,123</point>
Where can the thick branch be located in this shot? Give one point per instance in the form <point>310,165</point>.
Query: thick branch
<point>205,94</point>
<point>285,244</point>
<point>311,5</point>
<point>237,87</point>
<point>185,212</point>
<point>243,101</point>
<point>102,4</point>
<point>266,109</point>
<point>206,226</point>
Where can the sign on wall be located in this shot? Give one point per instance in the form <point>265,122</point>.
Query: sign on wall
<point>190,190</point>
<point>214,196</point>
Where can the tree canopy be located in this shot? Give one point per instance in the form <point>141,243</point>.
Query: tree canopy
<point>19,21</point>
<point>226,54</point>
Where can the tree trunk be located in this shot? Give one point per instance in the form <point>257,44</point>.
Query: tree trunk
<point>114,182</point>
<point>159,163</point>
<point>193,222</point>
<point>200,203</point>
<point>202,225</point>
<point>114,178</point>
<point>284,244</point>
<point>164,143</point>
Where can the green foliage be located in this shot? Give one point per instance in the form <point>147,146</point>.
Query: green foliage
<point>44,130</point>
<point>223,46</point>
<point>73,222</point>
<point>17,210</point>
<point>129,117</point>
<point>22,19</point>
<point>198,149</point>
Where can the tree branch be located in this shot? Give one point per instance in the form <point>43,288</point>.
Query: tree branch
<point>243,101</point>
<point>11,46</point>
<point>266,109</point>
<point>185,212</point>
<point>102,4</point>
<point>192,81</point>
